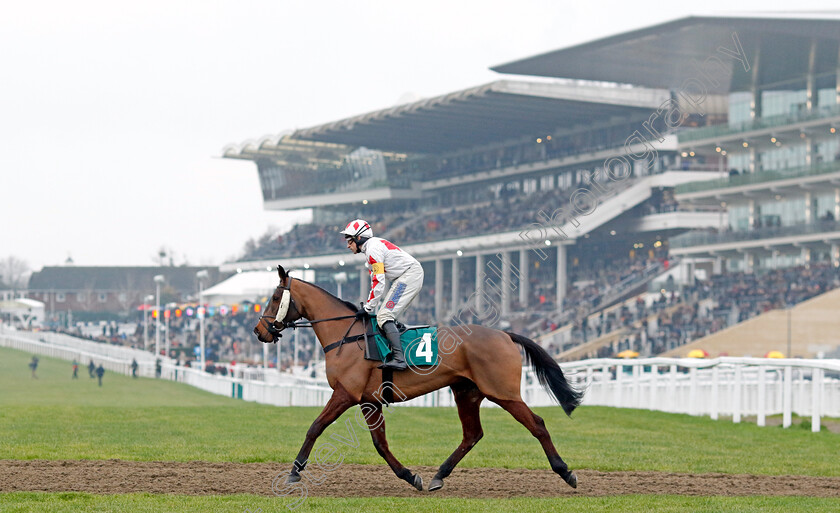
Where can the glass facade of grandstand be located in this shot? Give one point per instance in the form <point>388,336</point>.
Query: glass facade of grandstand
<point>783,155</point>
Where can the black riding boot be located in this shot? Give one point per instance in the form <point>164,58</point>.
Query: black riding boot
<point>393,335</point>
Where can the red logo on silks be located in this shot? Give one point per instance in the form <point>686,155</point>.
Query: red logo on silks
<point>389,305</point>
<point>355,226</point>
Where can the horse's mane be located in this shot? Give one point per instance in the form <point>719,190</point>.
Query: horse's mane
<point>347,304</point>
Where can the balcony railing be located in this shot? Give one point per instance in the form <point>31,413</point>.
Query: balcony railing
<point>723,130</point>
<point>702,239</point>
<point>760,177</point>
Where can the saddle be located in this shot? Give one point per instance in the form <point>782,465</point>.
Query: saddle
<point>419,344</point>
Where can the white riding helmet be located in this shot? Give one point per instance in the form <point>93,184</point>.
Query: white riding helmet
<point>357,228</point>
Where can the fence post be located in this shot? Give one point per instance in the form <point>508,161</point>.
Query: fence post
<point>654,379</point>
<point>672,389</point>
<point>637,385</point>
<point>692,391</point>
<point>619,385</point>
<point>816,400</point>
<point>736,395</point>
<point>606,377</point>
<point>715,386</point>
<point>786,396</point>
<point>762,396</point>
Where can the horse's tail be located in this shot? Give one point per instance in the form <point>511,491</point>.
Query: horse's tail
<point>549,373</point>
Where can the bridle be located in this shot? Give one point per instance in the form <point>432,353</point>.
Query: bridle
<point>287,302</point>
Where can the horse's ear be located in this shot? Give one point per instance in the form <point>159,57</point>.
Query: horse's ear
<point>281,272</point>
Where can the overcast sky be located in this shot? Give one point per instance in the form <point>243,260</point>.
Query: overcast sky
<point>113,115</point>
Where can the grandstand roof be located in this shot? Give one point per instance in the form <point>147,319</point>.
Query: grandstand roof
<point>495,112</point>
<point>285,150</point>
<point>665,55</point>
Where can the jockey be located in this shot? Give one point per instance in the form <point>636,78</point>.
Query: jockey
<point>390,264</point>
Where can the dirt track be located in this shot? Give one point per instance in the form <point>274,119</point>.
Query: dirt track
<point>203,478</point>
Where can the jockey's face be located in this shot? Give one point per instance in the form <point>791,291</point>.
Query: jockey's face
<point>352,246</point>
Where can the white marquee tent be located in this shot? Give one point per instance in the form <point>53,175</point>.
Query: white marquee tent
<point>25,312</point>
<point>253,286</point>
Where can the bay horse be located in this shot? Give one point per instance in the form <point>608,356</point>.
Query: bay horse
<point>475,362</point>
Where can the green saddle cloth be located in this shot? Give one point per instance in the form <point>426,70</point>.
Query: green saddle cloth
<point>419,344</point>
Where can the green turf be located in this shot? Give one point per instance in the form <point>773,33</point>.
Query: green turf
<point>55,417</point>
<point>140,503</point>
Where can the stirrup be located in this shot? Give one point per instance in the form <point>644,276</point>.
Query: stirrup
<point>393,365</point>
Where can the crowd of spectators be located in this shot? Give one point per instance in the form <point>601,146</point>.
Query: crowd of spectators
<point>510,211</point>
<point>677,318</point>
<point>540,148</point>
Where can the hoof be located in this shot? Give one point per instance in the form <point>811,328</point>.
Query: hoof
<point>418,482</point>
<point>436,484</point>
<point>293,478</point>
<point>571,479</point>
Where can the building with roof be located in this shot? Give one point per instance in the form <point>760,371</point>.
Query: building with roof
<point>88,292</point>
<point>713,137</point>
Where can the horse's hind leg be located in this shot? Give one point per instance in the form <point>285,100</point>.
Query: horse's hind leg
<point>339,402</point>
<point>468,398</point>
<point>534,423</point>
<point>376,424</point>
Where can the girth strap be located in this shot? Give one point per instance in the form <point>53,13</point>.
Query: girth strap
<point>388,391</point>
<point>345,340</point>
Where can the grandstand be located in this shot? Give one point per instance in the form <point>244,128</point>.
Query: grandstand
<point>684,158</point>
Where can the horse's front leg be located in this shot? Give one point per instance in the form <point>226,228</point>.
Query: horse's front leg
<point>376,424</point>
<point>339,402</point>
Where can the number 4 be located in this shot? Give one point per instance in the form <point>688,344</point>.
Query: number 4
<point>424,348</point>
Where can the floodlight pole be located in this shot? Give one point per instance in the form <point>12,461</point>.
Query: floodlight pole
<point>145,325</point>
<point>201,275</point>
<point>279,354</point>
<point>296,348</point>
<point>166,317</point>
<point>265,357</point>
<point>340,279</point>
<point>789,312</point>
<point>146,304</point>
<point>158,280</point>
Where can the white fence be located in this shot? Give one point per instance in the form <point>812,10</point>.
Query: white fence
<point>726,386</point>
<point>56,345</point>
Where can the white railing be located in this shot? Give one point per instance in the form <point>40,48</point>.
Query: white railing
<point>726,386</point>
<point>60,346</point>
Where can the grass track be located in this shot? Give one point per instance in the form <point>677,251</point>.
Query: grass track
<point>142,503</point>
<point>55,417</point>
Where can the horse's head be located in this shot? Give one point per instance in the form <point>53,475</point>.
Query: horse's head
<point>280,311</point>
